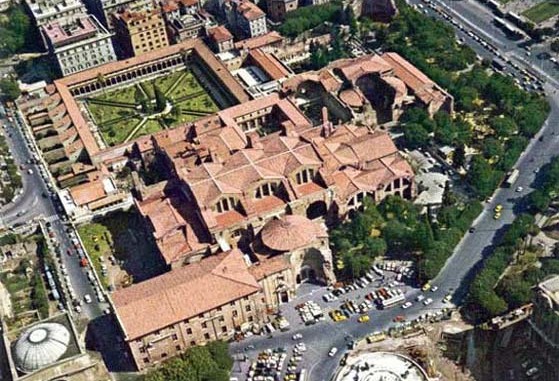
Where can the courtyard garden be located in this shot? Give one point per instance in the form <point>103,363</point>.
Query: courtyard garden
<point>150,106</point>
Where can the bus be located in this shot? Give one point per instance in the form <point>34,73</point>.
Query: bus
<point>498,64</point>
<point>391,302</point>
<point>512,177</point>
<point>510,30</point>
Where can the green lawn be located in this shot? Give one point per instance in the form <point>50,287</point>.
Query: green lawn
<point>202,103</point>
<point>150,127</point>
<point>187,85</point>
<point>163,82</point>
<point>542,11</point>
<point>125,95</point>
<point>96,238</point>
<point>117,132</point>
<point>103,113</point>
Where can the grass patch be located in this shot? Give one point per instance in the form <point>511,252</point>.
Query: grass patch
<point>116,133</point>
<point>150,127</point>
<point>542,11</point>
<point>97,240</point>
<point>102,238</point>
<point>125,95</point>
<point>187,85</point>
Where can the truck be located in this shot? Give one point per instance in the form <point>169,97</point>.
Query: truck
<point>512,177</point>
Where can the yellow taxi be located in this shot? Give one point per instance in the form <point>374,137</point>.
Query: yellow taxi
<point>498,208</point>
<point>426,287</point>
<point>497,215</point>
<point>337,316</point>
<point>363,319</point>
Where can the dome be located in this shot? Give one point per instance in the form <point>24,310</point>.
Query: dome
<point>40,345</point>
<point>289,232</point>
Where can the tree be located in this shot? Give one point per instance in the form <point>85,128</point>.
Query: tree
<point>160,100</point>
<point>503,126</point>
<point>449,198</point>
<point>10,88</point>
<point>555,45</point>
<point>459,158</point>
<point>351,20</point>
<point>208,363</point>
<point>492,148</point>
<point>415,136</point>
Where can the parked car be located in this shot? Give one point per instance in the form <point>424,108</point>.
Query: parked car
<point>87,298</point>
<point>406,305</point>
<point>333,352</point>
<point>428,301</point>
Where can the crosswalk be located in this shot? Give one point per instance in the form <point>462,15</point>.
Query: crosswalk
<point>52,218</point>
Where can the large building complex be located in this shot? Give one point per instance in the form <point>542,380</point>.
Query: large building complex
<point>239,215</point>
<point>79,44</point>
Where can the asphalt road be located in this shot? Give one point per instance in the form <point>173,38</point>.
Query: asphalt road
<point>35,202</point>
<point>467,257</point>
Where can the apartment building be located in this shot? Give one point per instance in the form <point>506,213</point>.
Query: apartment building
<point>45,11</point>
<point>245,19</point>
<point>79,44</point>
<point>139,32</point>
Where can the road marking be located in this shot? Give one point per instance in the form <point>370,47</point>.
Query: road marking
<point>52,218</point>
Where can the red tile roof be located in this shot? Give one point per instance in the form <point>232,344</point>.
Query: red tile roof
<point>183,293</point>
<point>220,34</point>
<point>269,64</point>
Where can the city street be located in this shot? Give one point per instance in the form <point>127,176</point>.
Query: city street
<point>35,202</point>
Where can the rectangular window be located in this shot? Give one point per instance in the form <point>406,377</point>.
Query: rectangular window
<point>206,336</point>
<point>204,325</point>
<point>175,337</point>
<point>163,355</point>
<point>224,329</point>
<point>178,347</point>
<point>146,360</point>
<point>247,308</point>
<point>189,331</point>
<point>235,313</point>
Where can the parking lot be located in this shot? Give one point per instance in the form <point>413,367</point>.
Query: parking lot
<point>329,321</point>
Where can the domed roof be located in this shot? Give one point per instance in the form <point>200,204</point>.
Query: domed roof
<point>40,345</point>
<point>289,232</point>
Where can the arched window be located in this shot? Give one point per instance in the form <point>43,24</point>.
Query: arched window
<point>304,176</point>
<point>265,190</point>
<point>225,204</point>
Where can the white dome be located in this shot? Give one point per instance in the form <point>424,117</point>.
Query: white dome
<point>40,345</point>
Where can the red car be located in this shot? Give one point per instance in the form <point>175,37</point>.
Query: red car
<point>399,318</point>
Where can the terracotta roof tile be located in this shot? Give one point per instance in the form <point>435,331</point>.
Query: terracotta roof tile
<point>183,293</point>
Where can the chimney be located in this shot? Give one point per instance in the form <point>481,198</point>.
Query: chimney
<point>326,124</point>
<point>324,115</point>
